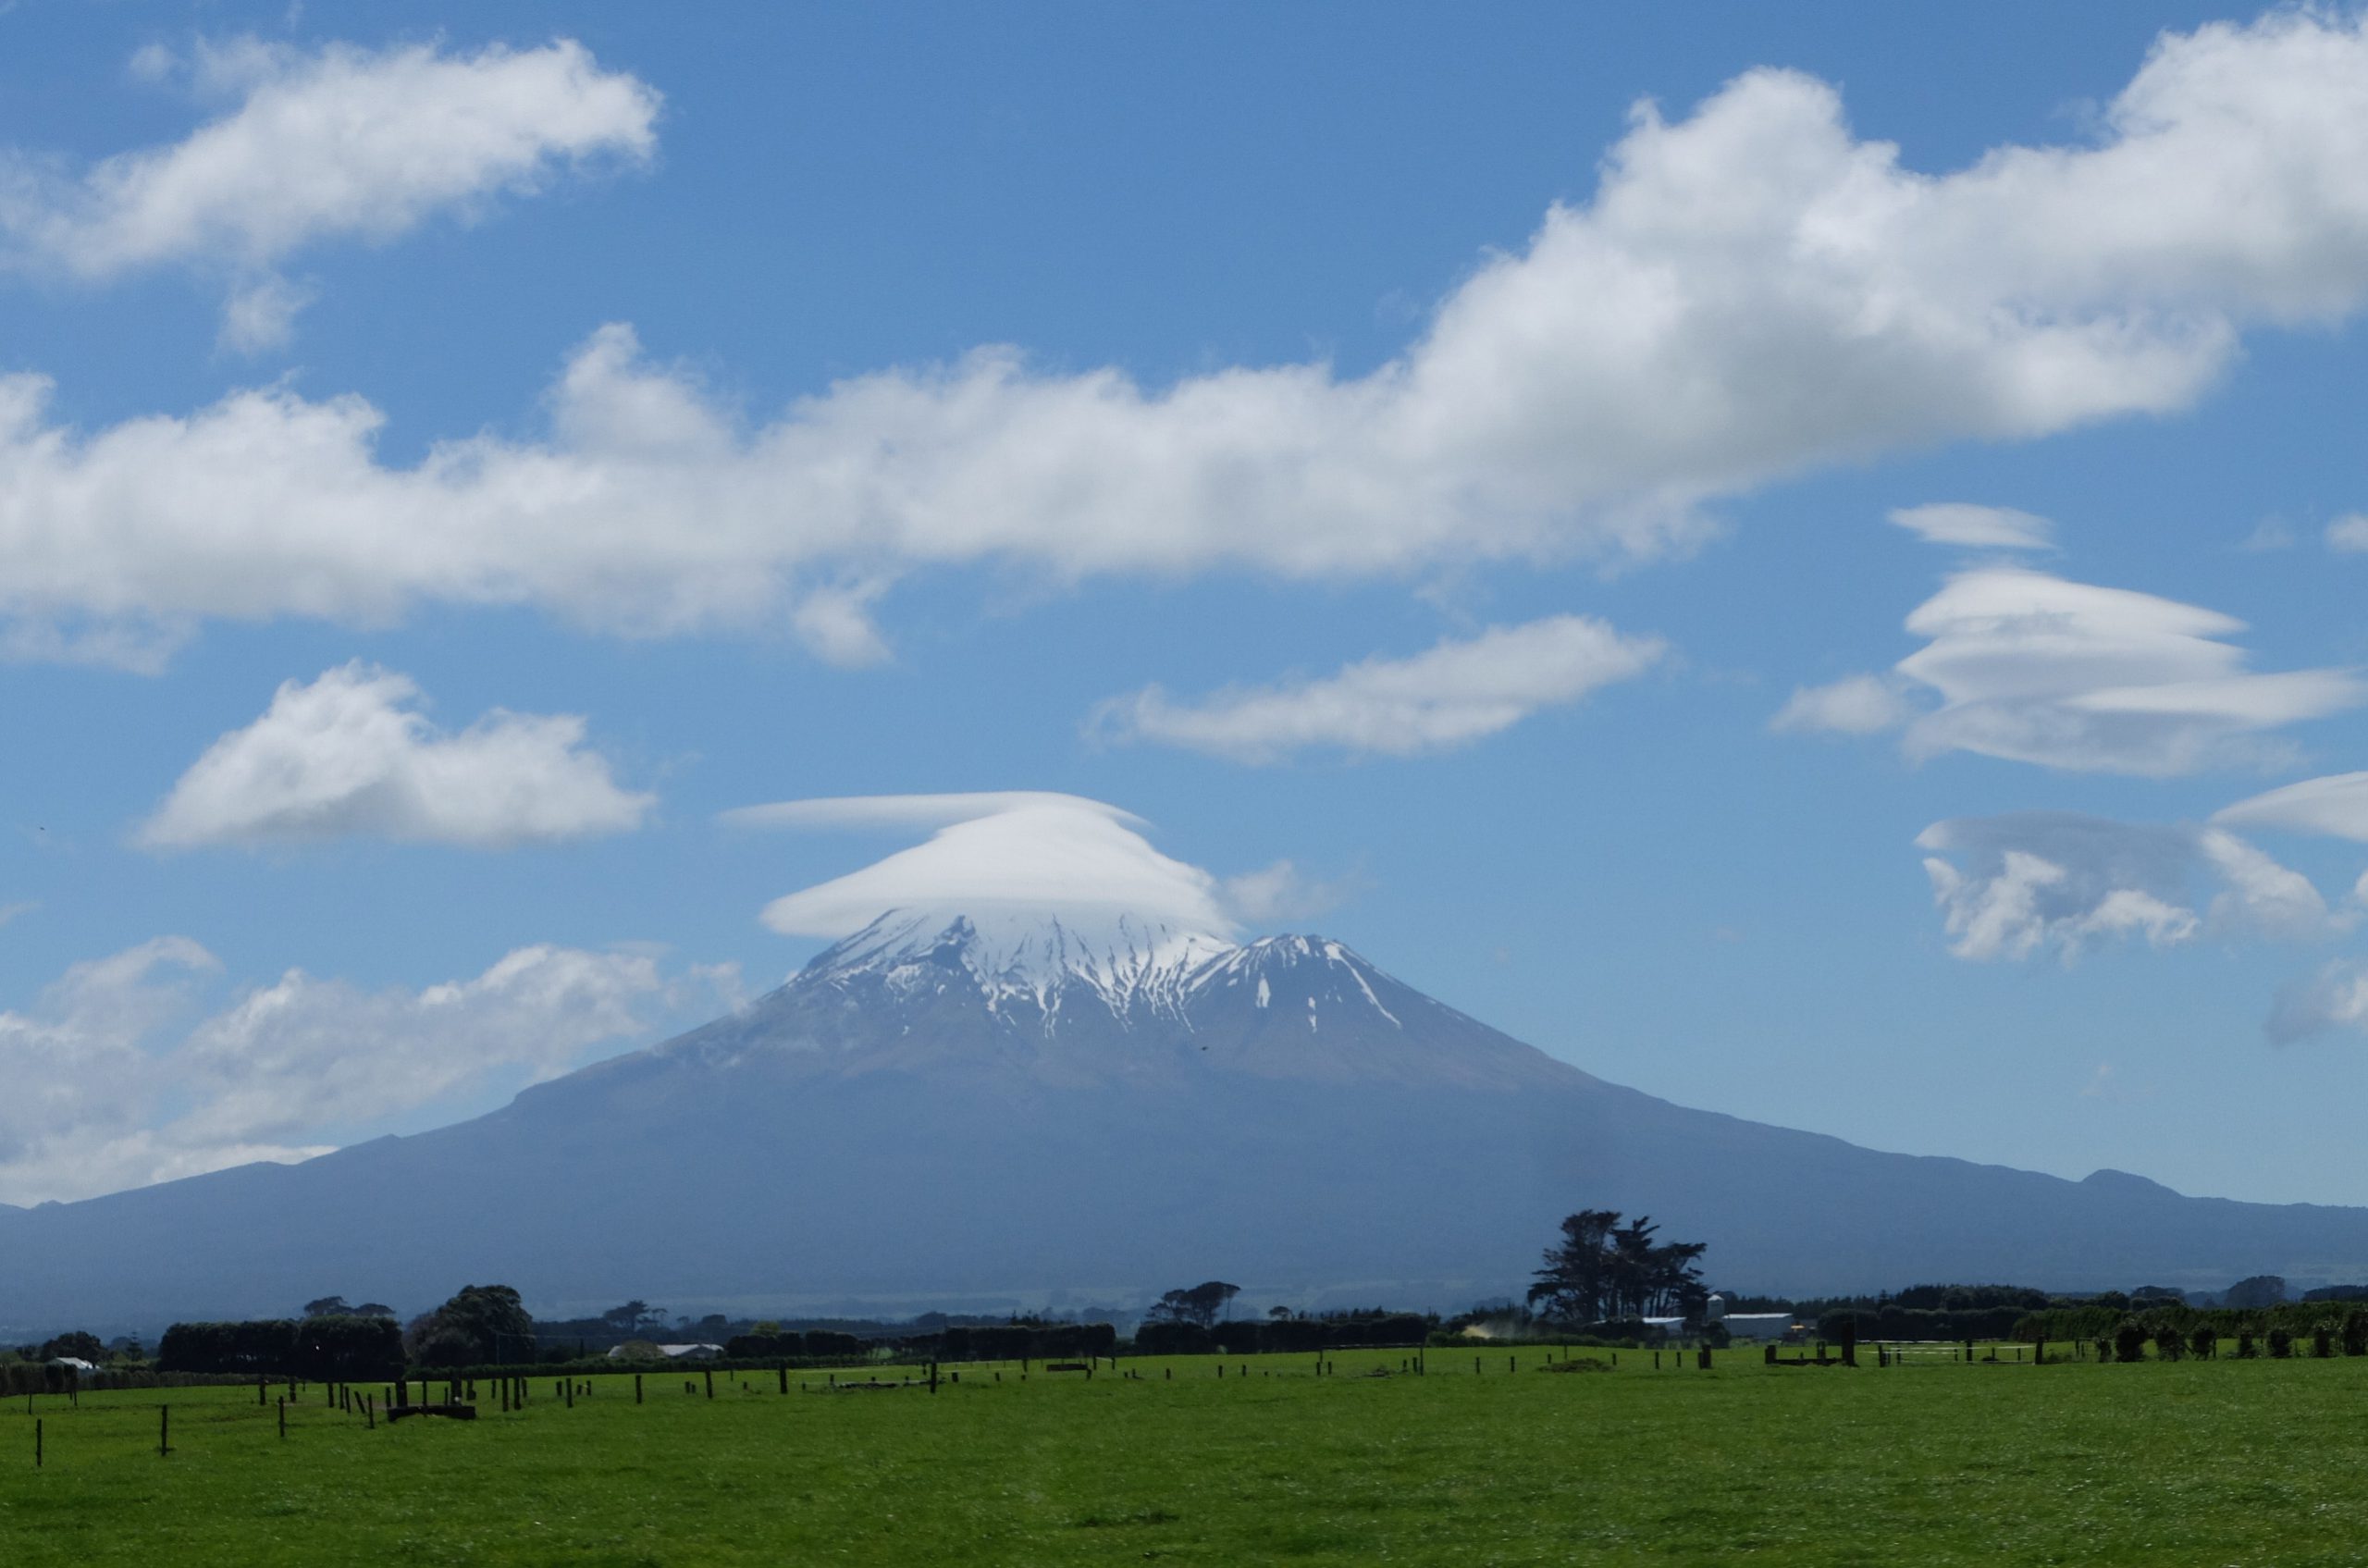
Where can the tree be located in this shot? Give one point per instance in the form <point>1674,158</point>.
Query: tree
<point>77,1344</point>
<point>483,1323</point>
<point>1572,1286</point>
<point>329,1306</point>
<point>2258,1290</point>
<point>374,1309</point>
<point>1198,1305</point>
<point>2129,1341</point>
<point>634,1317</point>
<point>1604,1269</point>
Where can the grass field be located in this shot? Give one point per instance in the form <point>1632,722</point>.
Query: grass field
<point>2205,1463</point>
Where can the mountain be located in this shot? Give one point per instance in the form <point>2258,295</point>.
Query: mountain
<point>945,1111</point>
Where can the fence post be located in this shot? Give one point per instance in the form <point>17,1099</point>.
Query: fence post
<point>636,1388</point>
<point>163,1430</point>
<point>36,1443</point>
<point>710,1383</point>
<point>283,1421</point>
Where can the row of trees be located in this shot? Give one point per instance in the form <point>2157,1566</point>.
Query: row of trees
<point>1278,1335</point>
<point>343,1348</point>
<point>2174,1341</point>
<point>481,1325</point>
<point>2303,1320</point>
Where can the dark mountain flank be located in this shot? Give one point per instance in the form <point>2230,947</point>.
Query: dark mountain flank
<point>935,1113</point>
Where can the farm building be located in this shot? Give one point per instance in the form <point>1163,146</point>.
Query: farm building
<point>1738,1325</point>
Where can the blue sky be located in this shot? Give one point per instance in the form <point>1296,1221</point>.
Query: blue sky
<point>1335,506</point>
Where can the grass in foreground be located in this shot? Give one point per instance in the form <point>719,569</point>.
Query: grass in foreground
<point>2216,1462</point>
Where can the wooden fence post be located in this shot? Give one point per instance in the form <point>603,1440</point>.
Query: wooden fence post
<point>163,1430</point>
<point>283,1421</point>
<point>636,1388</point>
<point>710,1383</point>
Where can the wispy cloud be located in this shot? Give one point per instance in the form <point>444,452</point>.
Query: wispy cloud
<point>1975,528</point>
<point>2030,882</point>
<point>1456,693</point>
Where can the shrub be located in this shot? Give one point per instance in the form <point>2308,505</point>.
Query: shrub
<point>2204,1342</point>
<point>1173,1339</point>
<point>826,1342</point>
<point>2246,1350</point>
<point>2322,1341</point>
<point>2129,1341</point>
<point>2169,1345</point>
<point>2281,1343</point>
<point>2355,1332</point>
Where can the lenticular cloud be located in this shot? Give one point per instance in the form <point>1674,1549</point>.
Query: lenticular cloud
<point>994,857</point>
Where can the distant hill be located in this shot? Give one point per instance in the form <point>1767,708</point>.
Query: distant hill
<point>948,1112</point>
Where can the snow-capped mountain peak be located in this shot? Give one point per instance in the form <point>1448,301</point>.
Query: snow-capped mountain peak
<point>1025,959</point>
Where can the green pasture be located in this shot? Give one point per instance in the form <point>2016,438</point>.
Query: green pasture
<point>2213,1462</point>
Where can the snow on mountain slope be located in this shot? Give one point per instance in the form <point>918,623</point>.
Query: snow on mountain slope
<point>1031,963</point>
<point>1047,1000</point>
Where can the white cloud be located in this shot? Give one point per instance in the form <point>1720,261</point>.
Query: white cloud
<point>305,1052</point>
<point>835,624</point>
<point>2035,668</point>
<point>1282,892</point>
<point>2014,885</point>
<point>1855,705</point>
<point>994,857</point>
<point>349,754</point>
<point>262,314</point>
<point>1451,695</point>
<point>2349,533</point>
<point>2336,997</point>
<point>106,1093</point>
<point>1752,291</point>
<point>2337,805</point>
<point>1976,528</point>
<point>335,142</point>
<point>2269,534</point>
<point>2259,894</point>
